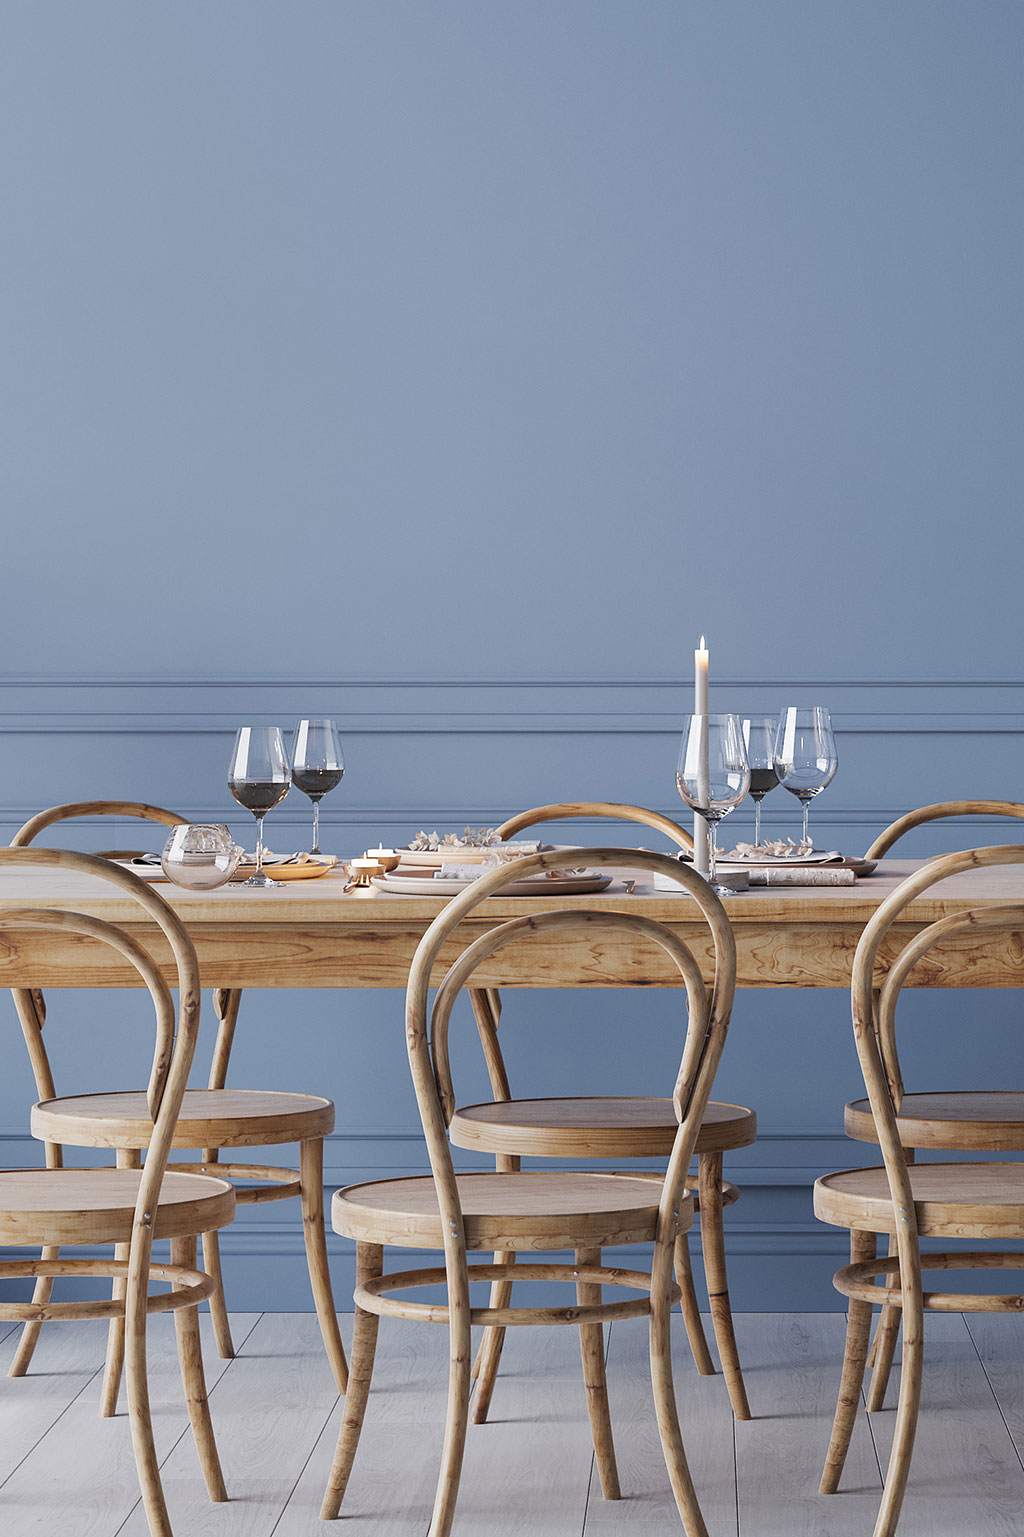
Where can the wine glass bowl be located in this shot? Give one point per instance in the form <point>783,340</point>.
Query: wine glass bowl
<point>805,755</point>
<point>317,765</point>
<point>259,778</point>
<point>759,739</point>
<point>713,774</point>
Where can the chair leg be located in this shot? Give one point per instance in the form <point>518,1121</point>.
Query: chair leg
<point>190,1356</point>
<point>858,1329</point>
<point>488,1357</point>
<point>127,1158</point>
<point>311,1175</point>
<point>211,1264</point>
<point>691,1310</point>
<point>592,1350</point>
<point>906,1412</point>
<point>713,1241</point>
<point>884,1348</point>
<point>668,1418</point>
<point>369,1263</point>
<point>139,1416</point>
<point>42,1291</point>
<point>457,1418</point>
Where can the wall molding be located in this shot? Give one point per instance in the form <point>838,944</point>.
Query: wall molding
<point>400,706</point>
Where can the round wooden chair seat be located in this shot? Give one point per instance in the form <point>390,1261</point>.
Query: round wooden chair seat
<point>74,1206</point>
<point>507,1211</point>
<point>209,1118</point>
<point>977,1120</point>
<point>605,1127</point>
<point>953,1200</point>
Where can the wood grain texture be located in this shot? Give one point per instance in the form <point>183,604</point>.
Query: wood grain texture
<point>79,1475</point>
<point>974,1120</point>
<point>594,1127</point>
<point>223,1117</point>
<point>320,938</point>
<point>959,1200</point>
<point>504,1211</point>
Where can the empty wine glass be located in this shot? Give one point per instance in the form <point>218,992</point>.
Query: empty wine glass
<point>805,755</point>
<point>713,775</point>
<point>259,778</point>
<point>759,739</point>
<point>317,765</point>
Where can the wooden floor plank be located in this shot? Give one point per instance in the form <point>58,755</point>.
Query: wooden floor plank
<point>791,1364</point>
<point>526,1471</point>
<point>999,1341</point>
<point>66,1359</point>
<point>648,1508</point>
<point>965,1476</point>
<point>268,1410</point>
<point>80,1477</point>
<point>391,1491</point>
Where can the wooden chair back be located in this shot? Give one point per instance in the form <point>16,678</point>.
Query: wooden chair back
<point>567,810</point>
<point>709,1011</point>
<point>30,1002</point>
<point>175,1043</point>
<point>885,840</point>
<point>874,1007</point>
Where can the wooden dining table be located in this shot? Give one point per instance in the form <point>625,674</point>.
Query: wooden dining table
<point>313,934</point>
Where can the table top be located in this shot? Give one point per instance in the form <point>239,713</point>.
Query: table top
<point>314,934</point>
<point>324,901</point>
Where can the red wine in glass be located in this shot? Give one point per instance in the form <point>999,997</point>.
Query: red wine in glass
<point>317,765</point>
<point>259,778</point>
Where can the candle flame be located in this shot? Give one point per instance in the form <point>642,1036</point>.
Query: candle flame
<point>703,644</point>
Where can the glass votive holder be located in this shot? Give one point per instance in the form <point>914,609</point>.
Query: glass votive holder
<point>200,856</point>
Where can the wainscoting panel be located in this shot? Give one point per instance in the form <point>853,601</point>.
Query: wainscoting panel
<point>447,752</point>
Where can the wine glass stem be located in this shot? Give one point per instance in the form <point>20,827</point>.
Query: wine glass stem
<point>259,844</point>
<point>316,828</point>
<point>807,807</point>
<point>713,850</point>
<point>757,822</point>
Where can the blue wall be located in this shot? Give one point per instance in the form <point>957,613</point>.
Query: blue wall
<point>449,368</point>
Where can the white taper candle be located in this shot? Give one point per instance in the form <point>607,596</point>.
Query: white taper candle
<point>701,851</point>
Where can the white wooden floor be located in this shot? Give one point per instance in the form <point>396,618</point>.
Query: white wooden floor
<point>530,1471</point>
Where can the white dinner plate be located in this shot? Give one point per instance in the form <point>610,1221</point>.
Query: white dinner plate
<point>530,886</point>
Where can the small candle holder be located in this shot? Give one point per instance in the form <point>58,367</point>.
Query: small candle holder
<point>361,871</point>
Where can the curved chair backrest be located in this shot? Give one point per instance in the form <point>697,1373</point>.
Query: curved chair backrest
<point>29,1002</point>
<point>137,810</point>
<point>874,1008</point>
<point>705,1035</point>
<point>885,840</point>
<point>174,1048</point>
<point>593,810</point>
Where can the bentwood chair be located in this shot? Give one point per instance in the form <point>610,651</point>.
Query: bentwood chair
<point>211,1119</point>
<point>584,1212</point>
<point>609,1127</point>
<point>53,1207</point>
<point>969,1121</point>
<point>909,1201</point>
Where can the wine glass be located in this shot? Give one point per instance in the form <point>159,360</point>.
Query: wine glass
<point>317,765</point>
<point>805,755</point>
<point>759,738</point>
<point>259,778</point>
<point>713,775</point>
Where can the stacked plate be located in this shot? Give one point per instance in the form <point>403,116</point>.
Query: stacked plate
<point>419,873</point>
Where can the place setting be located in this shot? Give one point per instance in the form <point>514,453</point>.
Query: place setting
<point>723,758</point>
<point>442,865</point>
